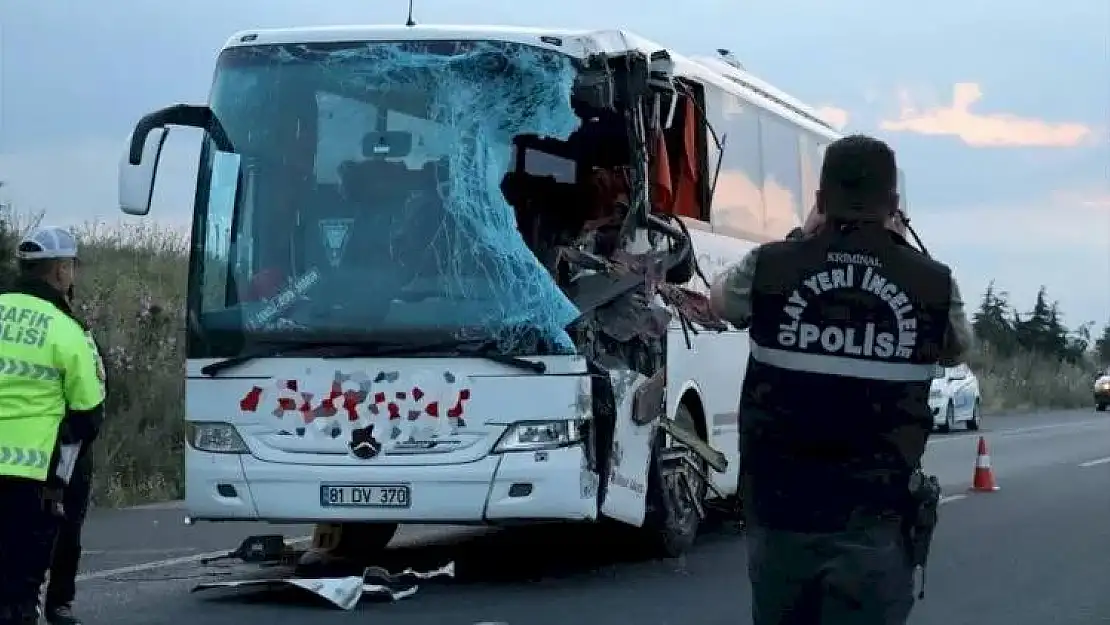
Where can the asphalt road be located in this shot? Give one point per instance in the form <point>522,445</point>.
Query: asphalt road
<point>1037,551</point>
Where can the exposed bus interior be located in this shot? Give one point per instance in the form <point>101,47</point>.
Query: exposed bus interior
<point>580,204</point>
<point>591,208</point>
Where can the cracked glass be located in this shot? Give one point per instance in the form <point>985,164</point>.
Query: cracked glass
<point>366,193</point>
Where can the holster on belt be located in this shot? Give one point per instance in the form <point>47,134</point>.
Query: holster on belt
<point>52,501</point>
<point>53,494</point>
<point>921,521</point>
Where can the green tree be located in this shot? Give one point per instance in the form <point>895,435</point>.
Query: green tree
<point>992,322</point>
<point>1102,346</point>
<point>1041,331</point>
<point>1079,343</point>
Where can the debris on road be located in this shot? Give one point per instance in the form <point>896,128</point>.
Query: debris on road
<point>272,554</point>
<point>344,592</point>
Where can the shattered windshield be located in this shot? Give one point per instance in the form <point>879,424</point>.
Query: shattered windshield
<point>363,195</point>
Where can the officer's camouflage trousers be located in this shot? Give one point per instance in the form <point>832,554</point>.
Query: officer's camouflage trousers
<point>861,576</point>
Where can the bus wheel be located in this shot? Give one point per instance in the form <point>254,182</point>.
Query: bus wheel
<point>676,493</point>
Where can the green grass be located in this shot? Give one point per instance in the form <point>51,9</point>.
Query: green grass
<point>1030,382</point>
<point>132,291</point>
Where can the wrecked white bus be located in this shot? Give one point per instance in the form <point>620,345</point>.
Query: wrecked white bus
<point>450,275</point>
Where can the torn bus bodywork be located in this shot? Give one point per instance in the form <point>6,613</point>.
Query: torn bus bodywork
<point>588,266</point>
<point>625,267</point>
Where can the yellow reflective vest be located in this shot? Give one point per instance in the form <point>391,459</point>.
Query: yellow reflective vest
<point>47,365</point>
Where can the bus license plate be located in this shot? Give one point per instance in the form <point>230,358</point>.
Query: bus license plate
<point>364,496</point>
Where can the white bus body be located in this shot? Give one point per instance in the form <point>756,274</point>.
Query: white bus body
<point>472,440</point>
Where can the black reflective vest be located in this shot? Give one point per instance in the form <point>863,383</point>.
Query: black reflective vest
<point>846,330</point>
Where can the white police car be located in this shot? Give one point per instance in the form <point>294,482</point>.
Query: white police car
<point>1102,390</point>
<point>954,398</point>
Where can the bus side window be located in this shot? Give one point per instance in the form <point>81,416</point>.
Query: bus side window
<point>685,174</point>
<point>737,208</point>
<point>810,147</point>
<point>902,202</point>
<point>782,176</point>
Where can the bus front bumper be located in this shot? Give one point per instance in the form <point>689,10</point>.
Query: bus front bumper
<point>499,488</point>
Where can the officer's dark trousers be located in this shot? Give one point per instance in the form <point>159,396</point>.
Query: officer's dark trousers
<point>27,528</point>
<point>67,548</point>
<point>861,576</point>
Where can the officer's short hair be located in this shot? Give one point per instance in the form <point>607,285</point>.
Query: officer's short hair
<point>859,175</point>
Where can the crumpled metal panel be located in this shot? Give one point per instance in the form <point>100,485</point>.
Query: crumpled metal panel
<point>346,591</point>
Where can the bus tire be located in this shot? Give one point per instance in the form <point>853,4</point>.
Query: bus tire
<point>672,519</point>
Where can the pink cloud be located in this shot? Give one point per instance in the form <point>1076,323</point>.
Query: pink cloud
<point>983,129</point>
<point>836,116</point>
<point>1097,201</point>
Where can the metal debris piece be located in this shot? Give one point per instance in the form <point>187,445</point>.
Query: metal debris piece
<point>345,592</point>
<point>716,459</point>
<point>648,402</point>
<point>268,548</point>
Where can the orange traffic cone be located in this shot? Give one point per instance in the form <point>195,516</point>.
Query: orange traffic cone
<point>983,481</point>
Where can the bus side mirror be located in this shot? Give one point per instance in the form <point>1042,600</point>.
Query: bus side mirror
<point>139,166</point>
<point>136,181</point>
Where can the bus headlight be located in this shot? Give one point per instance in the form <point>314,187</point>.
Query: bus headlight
<point>537,435</point>
<point>215,438</point>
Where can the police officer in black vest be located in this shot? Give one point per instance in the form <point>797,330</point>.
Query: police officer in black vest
<point>847,323</point>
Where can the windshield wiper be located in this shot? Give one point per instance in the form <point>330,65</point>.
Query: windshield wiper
<point>481,348</point>
<point>486,348</point>
<point>283,349</point>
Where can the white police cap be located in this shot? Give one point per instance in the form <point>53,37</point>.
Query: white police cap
<point>47,244</point>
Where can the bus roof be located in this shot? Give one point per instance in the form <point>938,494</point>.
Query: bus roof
<point>576,43</point>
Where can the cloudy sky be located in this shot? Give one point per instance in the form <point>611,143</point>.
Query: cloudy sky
<point>999,110</point>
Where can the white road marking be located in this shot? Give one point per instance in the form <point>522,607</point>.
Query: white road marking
<point>1077,425</point>
<point>950,498</point>
<point>137,552</point>
<point>161,564</point>
<point>1033,429</point>
<point>1093,463</point>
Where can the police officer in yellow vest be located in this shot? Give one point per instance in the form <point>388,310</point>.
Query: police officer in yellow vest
<point>51,401</point>
<point>62,588</point>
